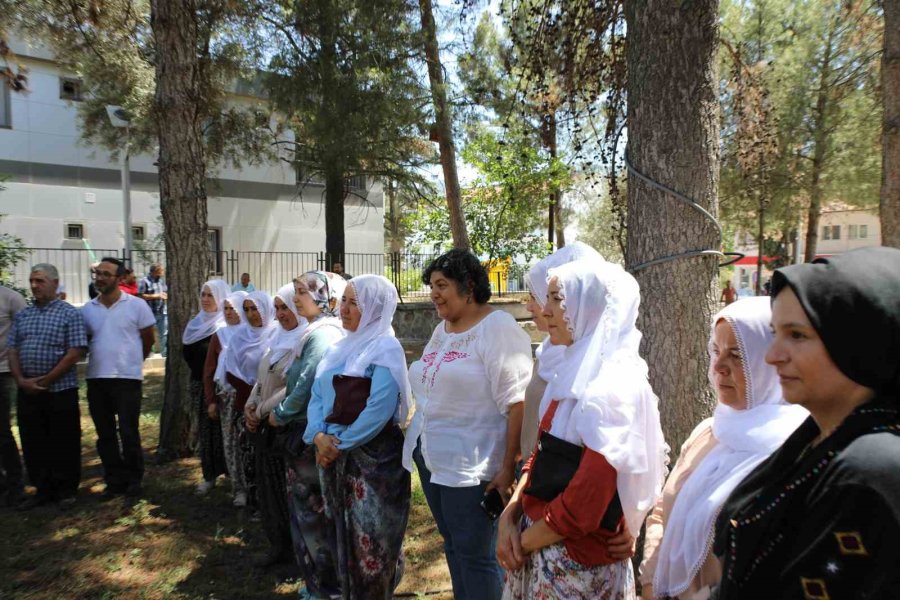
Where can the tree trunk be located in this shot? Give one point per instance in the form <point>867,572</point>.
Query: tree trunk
<point>556,222</point>
<point>820,141</point>
<point>395,220</point>
<point>444,127</point>
<point>890,136</point>
<point>182,190</point>
<point>760,242</point>
<point>673,133</point>
<point>334,214</point>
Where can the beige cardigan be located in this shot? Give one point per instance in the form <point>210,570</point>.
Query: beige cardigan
<point>270,387</point>
<point>693,451</point>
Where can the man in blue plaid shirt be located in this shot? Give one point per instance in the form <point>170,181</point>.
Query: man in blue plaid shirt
<point>45,341</point>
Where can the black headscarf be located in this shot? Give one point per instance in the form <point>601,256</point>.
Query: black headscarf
<point>853,302</point>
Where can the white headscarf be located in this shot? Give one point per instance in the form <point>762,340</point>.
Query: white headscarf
<point>236,301</point>
<point>605,399</point>
<point>373,342</point>
<point>204,324</point>
<point>547,354</point>
<point>745,438</point>
<point>284,341</point>
<point>323,289</point>
<point>248,344</point>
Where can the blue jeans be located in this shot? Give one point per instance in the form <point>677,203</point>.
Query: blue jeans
<point>470,537</point>
<point>162,332</point>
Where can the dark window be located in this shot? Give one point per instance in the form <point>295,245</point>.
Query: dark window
<point>137,233</point>
<point>70,89</point>
<point>74,231</point>
<point>214,239</point>
<point>5,112</point>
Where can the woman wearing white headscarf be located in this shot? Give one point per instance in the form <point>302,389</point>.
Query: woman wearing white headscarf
<point>750,422</point>
<point>366,490</point>
<point>220,395</point>
<point>316,297</point>
<point>243,356</point>
<point>547,356</point>
<point>196,339</point>
<point>601,457</point>
<point>268,451</point>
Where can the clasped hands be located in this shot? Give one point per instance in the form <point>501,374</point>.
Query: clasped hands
<point>326,449</point>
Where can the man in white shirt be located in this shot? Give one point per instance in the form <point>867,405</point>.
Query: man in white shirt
<point>120,334</point>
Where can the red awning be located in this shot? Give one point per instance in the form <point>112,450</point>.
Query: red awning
<point>751,260</point>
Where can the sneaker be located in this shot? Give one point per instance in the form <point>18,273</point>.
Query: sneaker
<point>204,487</point>
<point>240,499</point>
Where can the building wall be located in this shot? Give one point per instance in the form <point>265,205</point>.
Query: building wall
<point>845,219</point>
<point>57,180</point>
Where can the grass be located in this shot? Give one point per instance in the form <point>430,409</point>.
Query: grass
<point>171,543</point>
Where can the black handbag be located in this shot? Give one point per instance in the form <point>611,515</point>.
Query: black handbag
<point>351,394</point>
<point>552,469</point>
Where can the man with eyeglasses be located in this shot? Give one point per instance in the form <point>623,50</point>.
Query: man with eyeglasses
<point>45,342</point>
<point>120,334</point>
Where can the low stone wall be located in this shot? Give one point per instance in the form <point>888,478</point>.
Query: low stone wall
<point>415,321</point>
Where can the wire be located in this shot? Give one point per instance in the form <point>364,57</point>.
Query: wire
<point>686,200</point>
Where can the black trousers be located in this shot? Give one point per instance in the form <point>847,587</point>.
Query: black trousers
<point>271,491</point>
<point>50,428</point>
<point>10,461</point>
<point>107,400</point>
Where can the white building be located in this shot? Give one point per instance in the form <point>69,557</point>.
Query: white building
<point>64,195</point>
<point>841,228</point>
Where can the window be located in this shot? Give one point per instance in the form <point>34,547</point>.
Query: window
<point>137,233</point>
<point>214,240</point>
<point>70,89</point>
<point>306,177</point>
<point>831,232</point>
<point>357,181</point>
<point>5,118</point>
<point>858,232</point>
<point>74,231</point>
<point>863,232</point>
<point>853,232</point>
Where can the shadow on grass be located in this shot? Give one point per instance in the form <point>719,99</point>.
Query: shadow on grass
<point>169,544</point>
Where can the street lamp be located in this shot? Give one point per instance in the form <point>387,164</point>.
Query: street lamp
<point>119,117</point>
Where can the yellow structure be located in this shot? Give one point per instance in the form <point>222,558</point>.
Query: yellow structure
<point>498,274</point>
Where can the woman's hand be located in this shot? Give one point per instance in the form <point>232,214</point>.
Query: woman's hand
<point>326,448</point>
<point>272,420</point>
<point>509,542</point>
<point>503,482</point>
<point>213,411</point>
<point>250,416</point>
<point>621,545</point>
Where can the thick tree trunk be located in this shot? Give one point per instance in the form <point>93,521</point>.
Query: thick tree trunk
<point>182,188</point>
<point>444,127</point>
<point>673,133</point>
<point>890,140</point>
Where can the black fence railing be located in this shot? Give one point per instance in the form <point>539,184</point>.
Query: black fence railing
<point>268,270</point>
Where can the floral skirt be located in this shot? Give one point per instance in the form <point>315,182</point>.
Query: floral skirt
<point>310,526</point>
<point>210,447</point>
<point>228,421</point>
<point>550,574</point>
<point>246,458</point>
<point>366,492</point>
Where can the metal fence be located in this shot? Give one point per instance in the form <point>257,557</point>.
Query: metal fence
<point>268,270</point>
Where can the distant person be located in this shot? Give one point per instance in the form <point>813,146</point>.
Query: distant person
<point>244,285</point>
<point>61,292</point>
<point>767,288</point>
<point>129,283</point>
<point>92,289</point>
<point>729,294</point>
<point>11,302</point>
<point>338,269</point>
<point>120,331</point>
<point>45,342</point>
<point>155,292</point>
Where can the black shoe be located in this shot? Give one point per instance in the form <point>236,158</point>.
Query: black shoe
<point>32,502</point>
<point>134,490</point>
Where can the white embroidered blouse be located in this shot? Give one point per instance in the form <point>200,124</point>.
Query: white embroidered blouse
<point>464,385</point>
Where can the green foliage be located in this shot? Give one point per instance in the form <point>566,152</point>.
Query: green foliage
<point>505,206</point>
<point>597,222</point>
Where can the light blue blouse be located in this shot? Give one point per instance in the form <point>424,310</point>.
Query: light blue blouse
<point>383,404</point>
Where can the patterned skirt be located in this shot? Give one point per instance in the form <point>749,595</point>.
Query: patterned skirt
<point>366,492</point>
<point>550,573</point>
<point>211,449</point>
<point>228,421</point>
<point>310,526</point>
<point>246,458</point>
